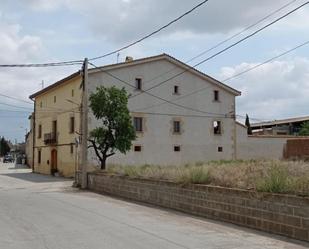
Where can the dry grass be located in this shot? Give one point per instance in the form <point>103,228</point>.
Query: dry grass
<point>265,176</point>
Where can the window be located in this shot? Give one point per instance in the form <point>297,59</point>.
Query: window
<point>40,131</point>
<point>54,127</point>
<point>39,156</point>
<point>220,149</point>
<point>217,127</point>
<point>41,104</point>
<point>138,83</point>
<point>216,95</point>
<point>55,99</point>
<point>177,127</point>
<point>177,148</point>
<point>72,124</point>
<point>72,93</point>
<point>176,89</point>
<point>72,148</point>
<point>138,124</point>
<point>137,148</point>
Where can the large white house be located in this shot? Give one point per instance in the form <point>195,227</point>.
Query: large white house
<point>181,115</point>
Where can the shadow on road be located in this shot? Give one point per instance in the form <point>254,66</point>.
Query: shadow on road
<point>32,177</point>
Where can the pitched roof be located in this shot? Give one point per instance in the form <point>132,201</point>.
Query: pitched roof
<point>142,61</point>
<point>282,121</point>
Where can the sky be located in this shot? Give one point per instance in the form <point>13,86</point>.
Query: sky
<point>36,31</point>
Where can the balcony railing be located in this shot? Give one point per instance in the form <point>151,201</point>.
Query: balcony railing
<point>50,138</point>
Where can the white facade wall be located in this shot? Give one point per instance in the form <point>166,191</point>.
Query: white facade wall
<point>259,147</point>
<point>197,141</point>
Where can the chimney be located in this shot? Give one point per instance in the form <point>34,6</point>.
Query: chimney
<point>129,59</point>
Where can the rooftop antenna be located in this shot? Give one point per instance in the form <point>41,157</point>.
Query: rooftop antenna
<point>118,55</point>
<point>42,84</point>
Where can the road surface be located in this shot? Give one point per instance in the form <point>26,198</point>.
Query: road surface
<point>38,212</point>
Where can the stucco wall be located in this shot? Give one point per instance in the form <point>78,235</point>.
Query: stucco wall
<point>66,106</point>
<point>197,141</point>
<point>259,147</point>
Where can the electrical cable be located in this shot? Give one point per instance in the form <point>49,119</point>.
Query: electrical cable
<point>232,77</point>
<point>155,96</point>
<point>223,50</point>
<point>152,33</point>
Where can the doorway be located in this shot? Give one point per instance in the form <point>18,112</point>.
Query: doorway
<point>53,166</point>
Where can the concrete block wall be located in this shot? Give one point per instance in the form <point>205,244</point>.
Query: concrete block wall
<point>279,214</point>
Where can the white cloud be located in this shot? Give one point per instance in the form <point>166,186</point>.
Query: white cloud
<point>276,90</point>
<point>123,21</point>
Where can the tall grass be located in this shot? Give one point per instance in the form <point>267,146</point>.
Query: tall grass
<point>265,176</point>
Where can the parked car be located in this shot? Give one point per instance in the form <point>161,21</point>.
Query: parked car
<point>8,159</point>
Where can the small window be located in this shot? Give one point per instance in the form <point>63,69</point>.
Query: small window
<point>40,131</point>
<point>138,124</point>
<point>72,148</point>
<point>137,148</point>
<point>39,156</point>
<point>55,99</point>
<point>177,127</point>
<point>138,84</point>
<point>176,89</point>
<point>72,93</point>
<point>217,127</point>
<point>41,104</point>
<point>72,124</point>
<point>216,95</point>
<point>177,148</point>
<point>220,149</point>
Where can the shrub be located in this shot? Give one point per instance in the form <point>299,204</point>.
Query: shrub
<point>276,181</point>
<point>194,175</point>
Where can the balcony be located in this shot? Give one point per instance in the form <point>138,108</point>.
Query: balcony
<point>50,138</point>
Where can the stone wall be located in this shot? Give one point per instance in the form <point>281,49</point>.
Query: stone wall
<point>280,214</point>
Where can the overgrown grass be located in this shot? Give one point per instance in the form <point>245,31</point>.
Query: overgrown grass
<point>265,176</point>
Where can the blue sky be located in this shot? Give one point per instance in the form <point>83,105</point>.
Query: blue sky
<point>55,30</point>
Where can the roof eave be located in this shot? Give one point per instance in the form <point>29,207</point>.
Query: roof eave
<point>72,76</point>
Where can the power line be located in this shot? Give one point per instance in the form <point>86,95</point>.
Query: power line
<point>242,31</point>
<point>152,33</point>
<point>232,77</point>
<point>18,99</point>
<point>227,39</point>
<point>223,50</point>
<point>155,96</point>
<point>21,107</point>
<point>267,61</point>
<point>79,62</point>
<point>52,64</point>
<point>181,115</point>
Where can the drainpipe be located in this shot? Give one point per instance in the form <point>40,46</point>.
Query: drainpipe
<point>33,133</point>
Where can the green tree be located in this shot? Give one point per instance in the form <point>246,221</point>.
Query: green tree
<point>304,130</point>
<point>249,129</point>
<point>116,132</point>
<point>4,147</point>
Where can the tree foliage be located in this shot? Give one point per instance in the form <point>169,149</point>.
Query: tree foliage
<point>116,132</point>
<point>249,129</point>
<point>304,131</point>
<point>4,147</point>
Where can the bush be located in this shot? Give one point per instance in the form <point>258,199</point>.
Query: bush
<point>276,181</point>
<point>194,175</point>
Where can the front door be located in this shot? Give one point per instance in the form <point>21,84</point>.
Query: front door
<point>53,161</point>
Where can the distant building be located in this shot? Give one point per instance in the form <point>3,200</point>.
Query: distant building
<point>284,127</point>
<point>29,143</point>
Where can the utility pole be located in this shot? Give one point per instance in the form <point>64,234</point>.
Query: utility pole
<point>84,112</point>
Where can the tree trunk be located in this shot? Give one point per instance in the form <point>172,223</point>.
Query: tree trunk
<point>103,163</point>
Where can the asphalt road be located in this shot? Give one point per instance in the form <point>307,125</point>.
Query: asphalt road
<point>38,212</point>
